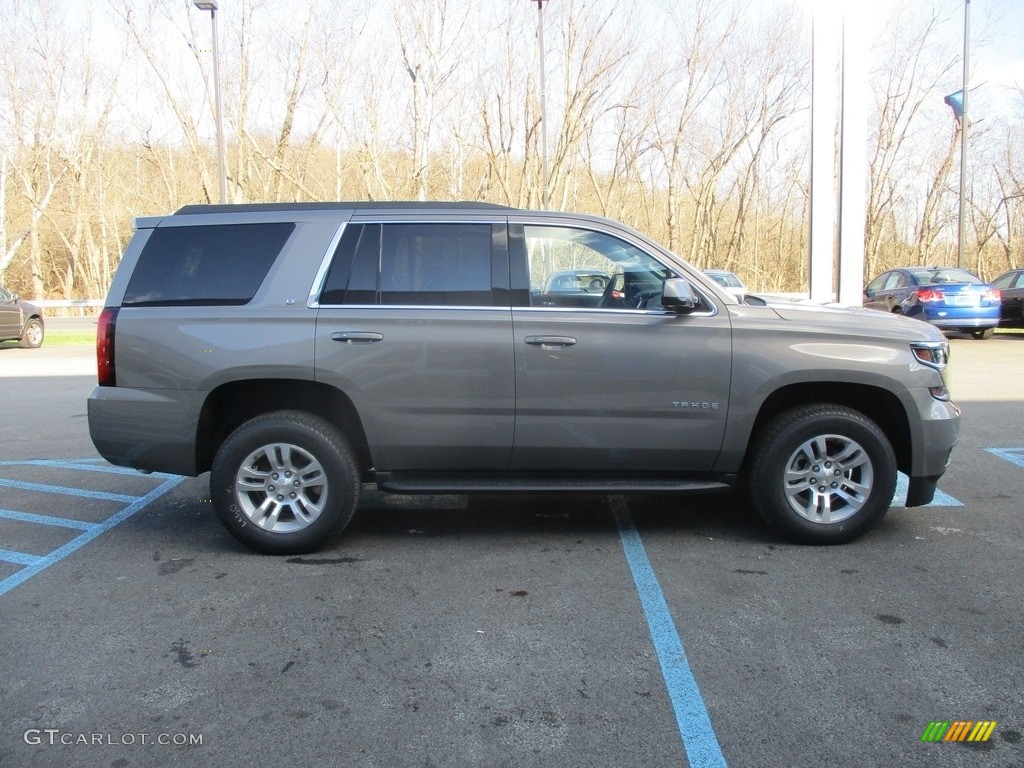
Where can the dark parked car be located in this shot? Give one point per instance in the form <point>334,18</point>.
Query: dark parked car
<point>20,321</point>
<point>949,298</point>
<point>1011,288</point>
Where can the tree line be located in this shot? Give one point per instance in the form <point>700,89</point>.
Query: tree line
<point>689,121</point>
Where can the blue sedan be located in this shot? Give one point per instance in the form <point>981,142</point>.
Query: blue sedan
<point>950,298</point>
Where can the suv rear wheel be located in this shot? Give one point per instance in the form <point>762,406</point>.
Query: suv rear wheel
<point>284,482</point>
<point>822,474</point>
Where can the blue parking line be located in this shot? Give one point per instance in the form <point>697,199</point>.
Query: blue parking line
<point>699,740</point>
<point>123,498</point>
<point>31,517</point>
<point>36,564</point>
<point>1012,455</point>
<point>21,558</point>
<point>86,465</point>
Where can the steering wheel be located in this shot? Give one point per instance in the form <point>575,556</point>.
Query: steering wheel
<point>641,298</point>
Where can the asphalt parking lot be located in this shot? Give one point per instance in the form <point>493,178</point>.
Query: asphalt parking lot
<point>482,631</point>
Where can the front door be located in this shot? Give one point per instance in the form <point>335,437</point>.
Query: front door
<point>624,384</point>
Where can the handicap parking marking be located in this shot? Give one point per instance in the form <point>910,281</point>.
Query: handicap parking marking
<point>1012,455</point>
<point>86,465</point>
<point>941,499</point>
<point>18,558</point>
<point>31,517</point>
<point>33,564</point>
<point>80,492</point>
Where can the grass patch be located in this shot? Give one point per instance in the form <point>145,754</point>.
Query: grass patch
<point>62,338</point>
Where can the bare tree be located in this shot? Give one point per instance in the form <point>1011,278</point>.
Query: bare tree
<point>913,62</point>
<point>429,33</point>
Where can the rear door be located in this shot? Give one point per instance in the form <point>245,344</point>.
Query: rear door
<point>623,386</point>
<point>414,325</point>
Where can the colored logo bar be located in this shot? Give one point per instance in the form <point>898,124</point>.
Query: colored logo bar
<point>958,730</point>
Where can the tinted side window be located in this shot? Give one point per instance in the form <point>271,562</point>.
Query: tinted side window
<point>896,280</point>
<point>435,264</point>
<point>207,265</point>
<point>352,278</point>
<point>878,283</point>
<point>411,264</point>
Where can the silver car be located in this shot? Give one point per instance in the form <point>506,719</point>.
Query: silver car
<point>730,281</point>
<point>298,351</point>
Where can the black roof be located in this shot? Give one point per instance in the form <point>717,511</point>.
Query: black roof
<point>410,205</point>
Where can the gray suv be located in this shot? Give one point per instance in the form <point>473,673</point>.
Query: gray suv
<point>299,351</point>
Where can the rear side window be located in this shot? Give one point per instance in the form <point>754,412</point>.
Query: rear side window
<point>205,266</point>
<point>412,265</point>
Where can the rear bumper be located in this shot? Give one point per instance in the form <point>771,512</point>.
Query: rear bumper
<point>974,317</point>
<point>971,322</point>
<point>150,430</point>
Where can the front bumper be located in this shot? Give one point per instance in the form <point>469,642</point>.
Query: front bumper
<point>934,435</point>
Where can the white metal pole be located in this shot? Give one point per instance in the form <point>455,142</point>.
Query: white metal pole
<point>221,159</point>
<point>824,61</point>
<point>854,158</point>
<point>545,202</point>
<point>962,233</point>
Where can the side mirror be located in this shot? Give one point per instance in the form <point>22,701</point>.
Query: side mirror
<point>677,295</point>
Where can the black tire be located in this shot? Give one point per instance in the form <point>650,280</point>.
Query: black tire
<point>853,490</point>
<point>32,334</point>
<point>983,333</point>
<point>316,482</point>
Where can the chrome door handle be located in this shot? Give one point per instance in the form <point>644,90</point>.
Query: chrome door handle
<point>551,342</point>
<point>357,337</point>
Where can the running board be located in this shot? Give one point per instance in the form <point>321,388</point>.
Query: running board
<point>411,482</point>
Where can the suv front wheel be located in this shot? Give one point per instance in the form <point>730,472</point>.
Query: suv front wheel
<point>284,482</point>
<point>822,474</point>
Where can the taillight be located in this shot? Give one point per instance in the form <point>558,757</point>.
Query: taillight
<point>930,294</point>
<point>105,328</point>
<point>992,295</point>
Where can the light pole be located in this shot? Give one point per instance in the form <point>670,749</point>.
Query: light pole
<point>543,106</point>
<point>211,6</point>
<point>962,235</point>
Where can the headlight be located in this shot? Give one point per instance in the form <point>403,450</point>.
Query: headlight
<point>934,354</point>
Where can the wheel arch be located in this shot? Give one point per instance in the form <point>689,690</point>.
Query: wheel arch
<point>878,404</point>
<point>232,404</point>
